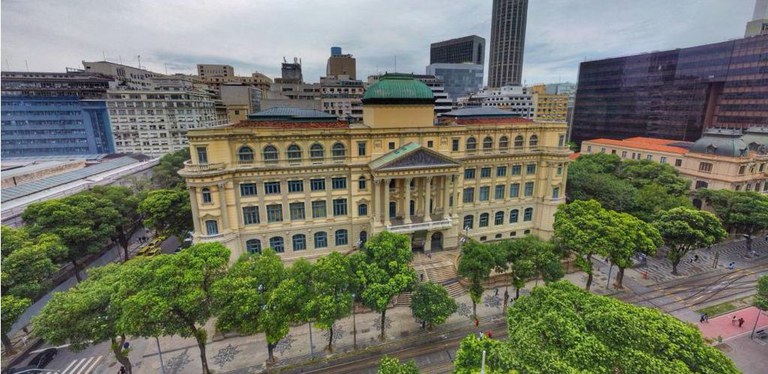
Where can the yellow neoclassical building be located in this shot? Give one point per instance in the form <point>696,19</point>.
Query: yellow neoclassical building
<point>305,184</point>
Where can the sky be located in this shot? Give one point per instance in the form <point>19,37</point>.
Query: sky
<point>255,35</point>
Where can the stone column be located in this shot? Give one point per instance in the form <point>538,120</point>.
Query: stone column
<point>456,198</point>
<point>428,243</point>
<point>446,197</point>
<point>374,202</point>
<point>223,206</point>
<point>427,199</point>
<point>407,200</point>
<point>195,211</point>
<point>386,202</point>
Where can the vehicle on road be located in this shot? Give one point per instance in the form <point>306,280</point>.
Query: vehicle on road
<point>40,361</point>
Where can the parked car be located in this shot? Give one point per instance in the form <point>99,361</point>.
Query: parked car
<point>41,360</point>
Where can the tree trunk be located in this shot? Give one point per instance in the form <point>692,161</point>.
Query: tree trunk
<point>122,358</point>
<point>517,293</point>
<point>474,309</point>
<point>200,336</point>
<point>620,278</point>
<point>8,345</point>
<point>330,339</point>
<point>589,273</point>
<point>271,353</point>
<point>506,298</point>
<point>674,267</point>
<point>77,271</point>
<point>749,242</point>
<point>383,316</point>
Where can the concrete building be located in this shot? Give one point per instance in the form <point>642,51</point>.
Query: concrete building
<point>291,72</point>
<point>239,100</point>
<point>215,71</point>
<point>45,114</point>
<point>720,159</point>
<point>759,23</point>
<point>547,106</point>
<point>305,183</point>
<point>339,64</point>
<point>458,79</point>
<point>673,94</point>
<point>508,21</point>
<point>465,50</point>
<point>342,97</point>
<point>516,99</point>
<point>125,76</point>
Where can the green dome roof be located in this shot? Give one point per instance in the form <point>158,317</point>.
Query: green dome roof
<point>398,89</point>
<point>721,142</point>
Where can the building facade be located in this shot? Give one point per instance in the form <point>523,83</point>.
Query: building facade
<point>759,23</point>
<point>549,107</point>
<point>674,94</point>
<point>468,49</point>
<point>458,79</point>
<point>306,185</point>
<point>516,99</point>
<point>47,114</point>
<point>125,76</point>
<point>341,96</point>
<point>213,70</point>
<point>340,64</point>
<point>508,21</point>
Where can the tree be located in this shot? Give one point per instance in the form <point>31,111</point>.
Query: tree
<point>84,222</point>
<point>241,298</point>
<point>86,314</point>
<point>741,211</point>
<point>331,300</point>
<point>684,230</point>
<point>171,294</point>
<point>611,191</point>
<point>579,228</point>
<point>126,202</point>
<point>391,365</point>
<point>562,329</point>
<point>476,262</point>
<point>166,174</point>
<point>642,173</point>
<point>629,236</point>
<point>432,304</point>
<point>382,271</point>
<point>527,258</point>
<point>653,199</point>
<point>29,263</point>
<point>12,308</point>
<point>168,211</point>
<point>761,299</point>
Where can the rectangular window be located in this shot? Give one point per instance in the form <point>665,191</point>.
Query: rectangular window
<point>248,189</point>
<point>361,148</point>
<point>499,192</point>
<point>251,215</point>
<point>649,157</point>
<point>317,184</point>
<point>297,211</point>
<point>678,162</point>
<point>706,167</point>
<point>318,209</point>
<point>430,144</point>
<point>528,214</point>
<point>530,169</point>
<point>339,183</point>
<point>455,145</point>
<point>623,154</point>
<point>340,207</point>
<point>271,188</point>
<point>514,190</point>
<point>556,193</point>
<point>501,171</point>
<point>663,160</point>
<point>483,220</point>
<point>517,169</point>
<point>295,186</point>
<point>202,155</point>
<point>528,188</point>
<point>469,173</point>
<point>341,237</point>
<point>742,169</point>
<point>275,213</point>
<point>321,240</point>
<point>212,227</point>
<point>498,219</point>
<point>469,195</point>
<point>485,173</point>
<point>589,149</point>
<point>391,145</point>
<point>559,169</point>
<point>561,141</point>
<point>485,191</point>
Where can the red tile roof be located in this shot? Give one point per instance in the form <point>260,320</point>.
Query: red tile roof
<point>573,155</point>
<point>648,144</point>
<point>490,121</point>
<point>292,125</point>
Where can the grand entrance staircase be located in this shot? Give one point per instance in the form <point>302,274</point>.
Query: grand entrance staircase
<point>440,269</point>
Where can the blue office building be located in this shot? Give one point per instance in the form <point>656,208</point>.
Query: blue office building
<point>47,114</point>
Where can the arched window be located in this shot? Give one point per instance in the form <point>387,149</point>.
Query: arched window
<point>316,151</point>
<point>519,141</point>
<point>528,214</point>
<point>338,150</point>
<point>270,153</point>
<point>245,154</point>
<point>503,142</point>
<point>471,144</point>
<point>484,220</point>
<point>341,237</point>
<point>321,240</point>
<point>469,221</point>
<point>253,246</point>
<point>556,192</point>
<point>294,152</point>
<point>498,219</point>
<point>514,214</point>
<point>488,143</point>
<point>361,183</point>
<point>533,141</point>
<point>363,237</point>
<point>276,243</point>
<point>212,227</point>
<point>206,192</point>
<point>299,242</point>
<point>362,210</point>
<point>701,184</point>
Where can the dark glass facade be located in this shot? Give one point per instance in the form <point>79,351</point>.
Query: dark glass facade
<point>469,49</point>
<point>674,94</point>
<point>508,22</point>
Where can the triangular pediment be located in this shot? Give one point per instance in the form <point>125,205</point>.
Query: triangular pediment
<point>412,156</point>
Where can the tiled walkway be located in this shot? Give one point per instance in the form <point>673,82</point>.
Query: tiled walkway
<point>723,327</point>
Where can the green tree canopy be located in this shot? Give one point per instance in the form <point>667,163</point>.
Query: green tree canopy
<point>168,211</point>
<point>684,230</point>
<point>653,199</point>
<point>611,191</point>
<point>629,236</point>
<point>391,365</point>
<point>562,329</point>
<point>580,228</point>
<point>166,174</point>
<point>12,308</point>
<point>382,271</point>
<point>742,211</point>
<point>29,263</point>
<point>476,262</point>
<point>761,299</point>
<point>642,173</point>
<point>126,202</point>
<point>432,304</point>
<point>526,258</point>
<point>84,222</point>
<point>171,294</point>
<point>333,287</point>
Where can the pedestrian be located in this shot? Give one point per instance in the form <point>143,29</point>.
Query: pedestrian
<point>695,258</point>
<point>489,334</point>
<point>497,292</point>
<point>702,318</point>
<point>733,320</point>
<point>421,276</point>
<point>24,340</point>
<point>122,370</point>
<point>741,321</point>
<point>476,322</point>
<point>706,318</point>
<point>429,254</point>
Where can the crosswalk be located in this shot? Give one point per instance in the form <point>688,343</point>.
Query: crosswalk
<point>82,366</point>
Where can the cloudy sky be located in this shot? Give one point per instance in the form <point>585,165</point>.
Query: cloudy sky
<point>255,35</point>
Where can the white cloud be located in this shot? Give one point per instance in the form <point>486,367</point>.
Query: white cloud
<point>256,35</point>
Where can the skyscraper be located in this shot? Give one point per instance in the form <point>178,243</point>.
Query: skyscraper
<point>469,49</point>
<point>339,64</point>
<point>507,42</point>
<point>759,23</point>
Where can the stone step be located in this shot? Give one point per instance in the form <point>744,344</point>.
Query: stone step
<point>455,289</point>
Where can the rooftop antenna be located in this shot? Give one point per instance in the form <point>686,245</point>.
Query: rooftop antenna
<point>166,68</point>
<point>139,57</point>
<point>7,65</point>
<point>121,59</point>
<point>395,63</point>
<point>104,55</point>
<point>27,64</point>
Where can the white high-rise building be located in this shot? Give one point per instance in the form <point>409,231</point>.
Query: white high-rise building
<point>759,23</point>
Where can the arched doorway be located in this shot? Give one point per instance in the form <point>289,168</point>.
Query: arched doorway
<point>697,203</point>
<point>437,241</point>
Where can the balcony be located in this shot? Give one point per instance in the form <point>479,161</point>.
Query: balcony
<point>399,227</point>
<point>197,168</point>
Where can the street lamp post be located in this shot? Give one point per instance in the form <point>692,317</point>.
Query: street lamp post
<point>608,283</point>
<point>755,326</point>
<point>354,324</point>
<point>160,352</point>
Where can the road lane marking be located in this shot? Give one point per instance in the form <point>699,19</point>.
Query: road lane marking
<point>79,362</point>
<point>89,369</point>
<point>85,365</point>
<point>70,365</point>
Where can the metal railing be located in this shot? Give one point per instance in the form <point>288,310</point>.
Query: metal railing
<point>189,166</point>
<point>421,226</point>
